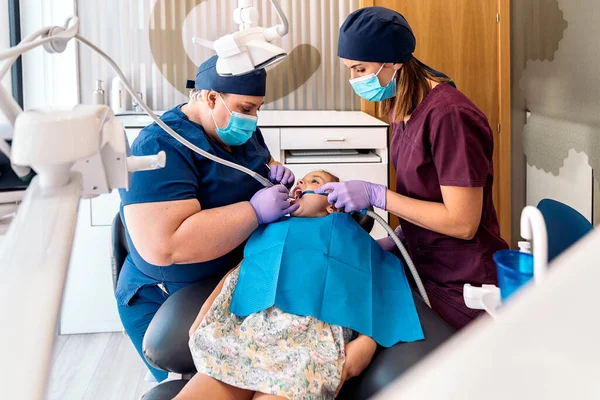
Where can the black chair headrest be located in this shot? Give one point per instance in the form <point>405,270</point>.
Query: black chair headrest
<point>364,220</point>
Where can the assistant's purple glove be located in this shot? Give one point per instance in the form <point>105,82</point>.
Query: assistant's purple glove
<point>354,195</point>
<point>387,243</point>
<point>272,203</point>
<point>283,175</point>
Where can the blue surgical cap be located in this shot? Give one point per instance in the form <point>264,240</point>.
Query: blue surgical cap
<point>376,34</point>
<point>253,83</point>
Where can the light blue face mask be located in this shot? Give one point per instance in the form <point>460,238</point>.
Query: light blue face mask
<point>368,87</point>
<point>239,130</point>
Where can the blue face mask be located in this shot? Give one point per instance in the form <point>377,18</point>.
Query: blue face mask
<point>239,130</point>
<point>368,87</point>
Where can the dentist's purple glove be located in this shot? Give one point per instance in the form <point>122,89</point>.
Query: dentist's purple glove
<point>387,243</point>
<point>272,203</point>
<point>281,174</point>
<point>354,195</point>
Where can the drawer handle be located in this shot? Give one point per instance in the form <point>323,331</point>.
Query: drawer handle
<point>335,139</point>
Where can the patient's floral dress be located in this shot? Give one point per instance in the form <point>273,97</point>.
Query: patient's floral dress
<point>271,351</point>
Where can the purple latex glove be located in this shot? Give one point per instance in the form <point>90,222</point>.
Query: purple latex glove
<point>281,174</point>
<point>388,244</point>
<point>354,195</point>
<point>272,203</point>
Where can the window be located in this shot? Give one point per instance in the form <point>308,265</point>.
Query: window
<point>10,35</point>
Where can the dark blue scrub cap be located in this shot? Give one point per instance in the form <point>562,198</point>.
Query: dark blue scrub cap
<point>376,34</point>
<point>253,83</point>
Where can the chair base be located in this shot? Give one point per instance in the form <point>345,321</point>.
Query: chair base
<point>165,391</point>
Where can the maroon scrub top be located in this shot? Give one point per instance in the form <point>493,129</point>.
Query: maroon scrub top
<point>448,142</point>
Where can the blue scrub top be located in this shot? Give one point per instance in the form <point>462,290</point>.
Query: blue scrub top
<point>187,175</point>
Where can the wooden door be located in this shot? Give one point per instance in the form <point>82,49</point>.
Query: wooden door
<point>468,41</point>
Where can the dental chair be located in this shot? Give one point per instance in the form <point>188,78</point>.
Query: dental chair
<point>166,341</point>
<point>564,225</point>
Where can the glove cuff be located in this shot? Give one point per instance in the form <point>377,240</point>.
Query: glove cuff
<point>258,219</point>
<point>380,196</point>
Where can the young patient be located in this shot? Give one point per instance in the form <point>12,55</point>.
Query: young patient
<point>272,354</point>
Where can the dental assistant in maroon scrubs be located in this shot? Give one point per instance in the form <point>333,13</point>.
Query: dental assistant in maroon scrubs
<point>441,148</point>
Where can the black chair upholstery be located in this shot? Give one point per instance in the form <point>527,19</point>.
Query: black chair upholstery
<point>388,364</point>
<point>165,391</point>
<point>166,341</point>
<point>364,220</point>
<point>119,248</point>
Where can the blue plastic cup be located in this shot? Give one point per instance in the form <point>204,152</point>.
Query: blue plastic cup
<point>515,269</point>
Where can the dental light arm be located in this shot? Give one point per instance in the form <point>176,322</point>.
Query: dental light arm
<point>250,47</point>
<point>279,30</point>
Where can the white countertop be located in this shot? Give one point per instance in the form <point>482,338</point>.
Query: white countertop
<point>287,118</point>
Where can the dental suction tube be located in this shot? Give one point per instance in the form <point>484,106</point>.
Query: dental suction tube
<point>409,262</point>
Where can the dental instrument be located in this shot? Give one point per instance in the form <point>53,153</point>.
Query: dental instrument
<point>404,252</point>
<point>312,192</point>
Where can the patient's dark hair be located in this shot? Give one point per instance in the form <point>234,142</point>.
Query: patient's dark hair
<point>331,176</point>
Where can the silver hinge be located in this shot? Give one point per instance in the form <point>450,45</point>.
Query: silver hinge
<point>498,128</point>
<point>497,17</point>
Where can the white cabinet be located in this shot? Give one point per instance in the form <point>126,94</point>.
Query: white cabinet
<point>271,136</point>
<point>89,304</point>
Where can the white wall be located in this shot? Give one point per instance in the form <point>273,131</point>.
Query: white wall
<point>573,185</point>
<point>48,79</point>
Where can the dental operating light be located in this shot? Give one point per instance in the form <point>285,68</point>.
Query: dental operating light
<point>250,47</point>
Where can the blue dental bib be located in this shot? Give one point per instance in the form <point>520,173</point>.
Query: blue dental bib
<point>329,268</point>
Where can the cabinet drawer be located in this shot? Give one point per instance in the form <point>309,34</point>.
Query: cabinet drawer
<point>333,138</point>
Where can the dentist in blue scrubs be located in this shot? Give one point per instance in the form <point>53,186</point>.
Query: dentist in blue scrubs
<point>189,221</point>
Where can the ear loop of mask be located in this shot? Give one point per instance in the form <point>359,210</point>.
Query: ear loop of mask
<point>369,76</point>
<point>393,77</point>
<point>213,116</point>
